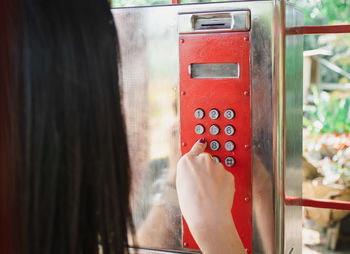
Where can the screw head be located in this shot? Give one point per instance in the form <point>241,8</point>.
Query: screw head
<point>246,38</point>
<point>184,144</point>
<point>185,244</point>
<point>247,251</point>
<point>246,199</point>
<point>182,41</point>
<point>246,146</point>
<point>183,92</point>
<point>246,92</point>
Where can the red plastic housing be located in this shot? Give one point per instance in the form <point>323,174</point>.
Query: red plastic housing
<point>220,94</point>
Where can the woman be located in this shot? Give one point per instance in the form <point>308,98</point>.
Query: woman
<point>65,171</point>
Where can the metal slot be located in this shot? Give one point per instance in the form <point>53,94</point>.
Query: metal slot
<point>215,70</point>
<point>205,22</point>
<point>214,21</point>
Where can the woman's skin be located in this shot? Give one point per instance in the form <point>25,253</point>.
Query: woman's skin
<point>205,192</point>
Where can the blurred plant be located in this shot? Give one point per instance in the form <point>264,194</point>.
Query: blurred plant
<point>329,114</point>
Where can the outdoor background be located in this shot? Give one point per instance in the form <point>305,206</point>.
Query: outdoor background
<point>326,122</point>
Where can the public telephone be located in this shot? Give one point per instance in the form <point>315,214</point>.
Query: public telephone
<point>215,88</point>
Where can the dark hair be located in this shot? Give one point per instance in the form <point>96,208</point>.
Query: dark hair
<point>66,146</point>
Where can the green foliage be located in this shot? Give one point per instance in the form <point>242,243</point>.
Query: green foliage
<point>323,12</point>
<point>328,115</point>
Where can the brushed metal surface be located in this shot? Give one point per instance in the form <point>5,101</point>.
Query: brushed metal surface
<point>148,39</point>
<point>293,127</point>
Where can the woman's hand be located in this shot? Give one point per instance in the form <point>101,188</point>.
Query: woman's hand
<point>205,191</point>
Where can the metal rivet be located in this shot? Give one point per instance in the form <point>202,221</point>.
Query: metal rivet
<point>185,244</point>
<point>246,199</point>
<point>246,38</point>
<point>246,146</point>
<point>183,92</point>
<point>184,144</point>
<point>246,92</point>
<point>182,40</point>
<point>247,250</point>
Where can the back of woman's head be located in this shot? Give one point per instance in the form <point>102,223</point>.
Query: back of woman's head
<point>66,162</point>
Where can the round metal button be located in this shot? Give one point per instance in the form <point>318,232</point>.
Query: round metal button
<point>214,145</point>
<point>230,161</point>
<point>216,159</point>
<point>230,146</point>
<point>214,130</point>
<point>199,113</point>
<point>214,114</point>
<point>229,130</point>
<point>199,129</point>
<point>229,114</point>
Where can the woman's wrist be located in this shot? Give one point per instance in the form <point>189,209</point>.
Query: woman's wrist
<point>219,237</point>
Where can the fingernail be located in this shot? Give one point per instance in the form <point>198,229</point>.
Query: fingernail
<point>202,140</point>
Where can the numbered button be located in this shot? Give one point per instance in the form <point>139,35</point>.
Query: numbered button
<point>214,114</point>
<point>199,129</point>
<point>216,159</point>
<point>230,161</point>
<point>214,145</point>
<point>199,113</point>
<point>214,129</point>
<point>229,114</point>
<point>229,130</point>
<point>230,146</point>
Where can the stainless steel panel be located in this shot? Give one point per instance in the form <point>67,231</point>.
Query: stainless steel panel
<point>293,130</point>
<point>150,75</point>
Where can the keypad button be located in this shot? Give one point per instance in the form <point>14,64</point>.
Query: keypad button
<point>229,130</point>
<point>216,159</point>
<point>199,113</point>
<point>214,145</point>
<point>214,129</point>
<point>199,129</point>
<point>230,146</point>
<point>229,114</point>
<point>230,161</point>
<point>214,114</point>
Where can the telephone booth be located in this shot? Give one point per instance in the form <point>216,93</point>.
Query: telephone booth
<point>226,72</point>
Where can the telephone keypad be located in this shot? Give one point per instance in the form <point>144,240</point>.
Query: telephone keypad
<point>214,130</point>
<point>229,130</point>
<point>214,114</point>
<point>230,161</point>
<point>199,129</point>
<point>230,146</point>
<point>216,159</point>
<point>214,145</point>
<point>199,113</point>
<point>229,114</point>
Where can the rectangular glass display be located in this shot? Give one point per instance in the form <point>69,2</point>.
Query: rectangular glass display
<point>215,70</point>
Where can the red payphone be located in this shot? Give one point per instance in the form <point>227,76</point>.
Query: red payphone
<point>219,68</point>
<point>214,59</point>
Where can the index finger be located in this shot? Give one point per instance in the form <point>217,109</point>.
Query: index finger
<point>198,147</point>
